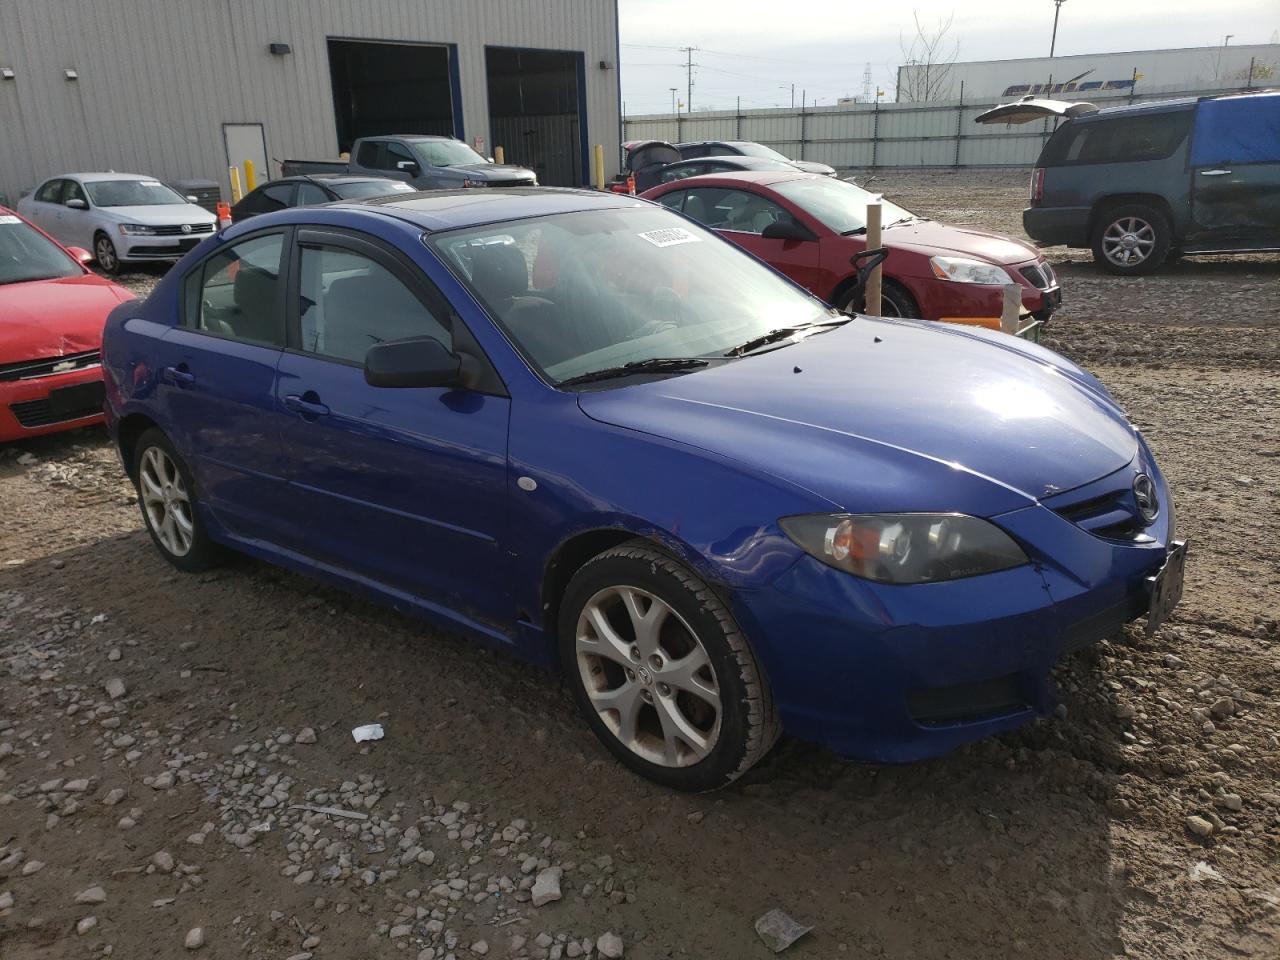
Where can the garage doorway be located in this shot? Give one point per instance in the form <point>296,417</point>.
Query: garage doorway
<point>537,111</point>
<point>382,87</point>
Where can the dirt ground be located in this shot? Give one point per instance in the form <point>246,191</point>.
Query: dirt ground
<point>157,731</point>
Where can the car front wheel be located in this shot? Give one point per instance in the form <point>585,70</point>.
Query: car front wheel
<point>104,251</point>
<point>662,672</point>
<point>166,494</point>
<point>894,301</point>
<point>1131,239</point>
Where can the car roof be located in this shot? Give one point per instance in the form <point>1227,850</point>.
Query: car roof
<point>435,210</point>
<point>760,163</point>
<point>1128,109</point>
<point>411,136</point>
<point>764,178</point>
<point>100,175</point>
<point>333,178</point>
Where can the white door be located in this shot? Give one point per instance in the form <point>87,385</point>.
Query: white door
<point>247,141</point>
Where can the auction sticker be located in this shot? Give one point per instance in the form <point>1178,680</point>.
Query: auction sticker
<point>669,236</point>
<point>8,218</point>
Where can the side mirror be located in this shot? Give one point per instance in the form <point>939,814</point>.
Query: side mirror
<point>82,255</point>
<point>416,362</point>
<point>409,167</point>
<point>490,159</point>
<point>191,198</point>
<point>75,203</point>
<point>787,230</point>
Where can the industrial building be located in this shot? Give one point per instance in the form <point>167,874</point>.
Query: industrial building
<point>1222,67</point>
<point>184,90</point>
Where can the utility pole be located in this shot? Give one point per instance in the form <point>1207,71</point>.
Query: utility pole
<point>688,66</point>
<point>1057,8</point>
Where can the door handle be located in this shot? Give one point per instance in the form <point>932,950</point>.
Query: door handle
<point>305,407</point>
<point>1214,173</point>
<point>179,376</point>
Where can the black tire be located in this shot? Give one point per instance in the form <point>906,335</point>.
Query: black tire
<point>894,301</point>
<point>747,723</point>
<point>1143,226</point>
<point>201,552</point>
<point>104,251</point>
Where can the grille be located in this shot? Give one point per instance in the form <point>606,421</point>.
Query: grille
<point>1040,275</point>
<point>1113,515</point>
<point>175,230</point>
<point>27,369</point>
<point>510,183</point>
<point>164,250</point>
<point>41,413</point>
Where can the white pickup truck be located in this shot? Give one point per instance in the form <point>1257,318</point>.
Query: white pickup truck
<point>426,162</point>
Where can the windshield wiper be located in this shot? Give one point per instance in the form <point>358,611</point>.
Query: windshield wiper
<point>782,333</point>
<point>854,232</point>
<point>909,219</point>
<point>652,365</point>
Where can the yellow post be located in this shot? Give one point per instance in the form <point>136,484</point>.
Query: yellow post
<point>236,192</point>
<point>250,180</point>
<point>498,156</point>
<point>599,167</point>
<point>872,308</point>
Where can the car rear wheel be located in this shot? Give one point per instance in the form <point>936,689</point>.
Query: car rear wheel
<point>894,301</point>
<point>662,672</point>
<point>166,494</point>
<point>104,251</point>
<point>1131,239</point>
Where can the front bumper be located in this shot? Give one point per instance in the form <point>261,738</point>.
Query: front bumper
<point>60,401</point>
<point>144,248</point>
<point>902,673</point>
<point>948,300</point>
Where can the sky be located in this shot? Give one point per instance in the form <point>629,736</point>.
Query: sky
<point>757,50</point>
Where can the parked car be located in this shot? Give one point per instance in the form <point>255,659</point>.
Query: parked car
<point>52,311</point>
<point>748,148</point>
<point>122,217</point>
<point>698,168</point>
<point>809,227</point>
<point>1140,183</point>
<point>589,431</point>
<point>425,162</point>
<point>305,191</point>
<point>651,162</point>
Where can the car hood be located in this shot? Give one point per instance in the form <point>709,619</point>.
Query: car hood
<point>494,171</point>
<point>50,318</point>
<point>933,239</point>
<point>883,415</point>
<point>160,214</point>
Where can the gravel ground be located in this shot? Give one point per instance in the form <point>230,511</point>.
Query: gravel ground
<point>166,740</point>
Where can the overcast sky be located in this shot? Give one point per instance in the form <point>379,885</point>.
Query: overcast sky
<point>756,49</point>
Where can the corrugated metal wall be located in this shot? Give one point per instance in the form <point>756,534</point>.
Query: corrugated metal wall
<point>855,136</point>
<point>158,78</point>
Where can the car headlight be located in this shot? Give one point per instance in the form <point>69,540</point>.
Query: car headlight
<point>475,183</point>
<point>137,230</point>
<point>905,547</point>
<point>964,270</point>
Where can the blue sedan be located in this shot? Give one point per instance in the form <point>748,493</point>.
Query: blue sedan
<point>584,429</point>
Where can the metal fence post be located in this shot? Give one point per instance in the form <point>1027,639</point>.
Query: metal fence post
<point>875,132</point>
<point>959,123</point>
<point>737,116</point>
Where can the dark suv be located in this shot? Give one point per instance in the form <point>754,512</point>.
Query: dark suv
<point>1140,183</point>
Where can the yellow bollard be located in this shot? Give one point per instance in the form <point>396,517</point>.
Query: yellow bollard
<point>599,167</point>
<point>250,181</point>
<point>236,192</point>
<point>498,155</point>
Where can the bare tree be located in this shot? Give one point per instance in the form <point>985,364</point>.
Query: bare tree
<point>927,61</point>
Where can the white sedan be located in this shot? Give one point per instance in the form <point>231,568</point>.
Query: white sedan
<point>122,217</point>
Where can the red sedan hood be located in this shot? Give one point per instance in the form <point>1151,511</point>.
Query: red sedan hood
<point>934,239</point>
<point>50,318</point>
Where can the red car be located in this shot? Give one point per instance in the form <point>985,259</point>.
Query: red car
<point>52,310</point>
<point>808,226</point>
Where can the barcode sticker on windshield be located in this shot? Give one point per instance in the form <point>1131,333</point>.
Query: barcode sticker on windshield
<point>7,218</point>
<point>670,236</point>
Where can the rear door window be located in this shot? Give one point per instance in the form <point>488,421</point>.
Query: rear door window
<point>1119,140</point>
<point>309,194</point>
<point>367,155</point>
<point>1237,130</point>
<point>50,192</point>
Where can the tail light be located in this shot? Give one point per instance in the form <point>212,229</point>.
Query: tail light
<point>1037,184</point>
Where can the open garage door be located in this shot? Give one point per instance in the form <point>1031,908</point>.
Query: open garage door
<point>381,87</point>
<point>536,112</point>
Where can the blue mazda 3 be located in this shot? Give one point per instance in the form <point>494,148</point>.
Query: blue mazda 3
<point>583,428</point>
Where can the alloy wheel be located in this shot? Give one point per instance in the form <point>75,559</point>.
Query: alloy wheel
<point>166,502</point>
<point>105,253</point>
<point>1128,241</point>
<point>648,676</point>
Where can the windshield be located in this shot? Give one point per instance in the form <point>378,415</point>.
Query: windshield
<point>749,149</point>
<point>445,153</point>
<point>130,193</point>
<point>838,204</point>
<point>27,254</point>
<point>588,291</point>
<point>356,189</point>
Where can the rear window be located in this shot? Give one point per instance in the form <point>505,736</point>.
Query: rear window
<point>1119,140</point>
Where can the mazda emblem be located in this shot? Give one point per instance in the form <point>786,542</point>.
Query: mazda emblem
<point>1144,494</point>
